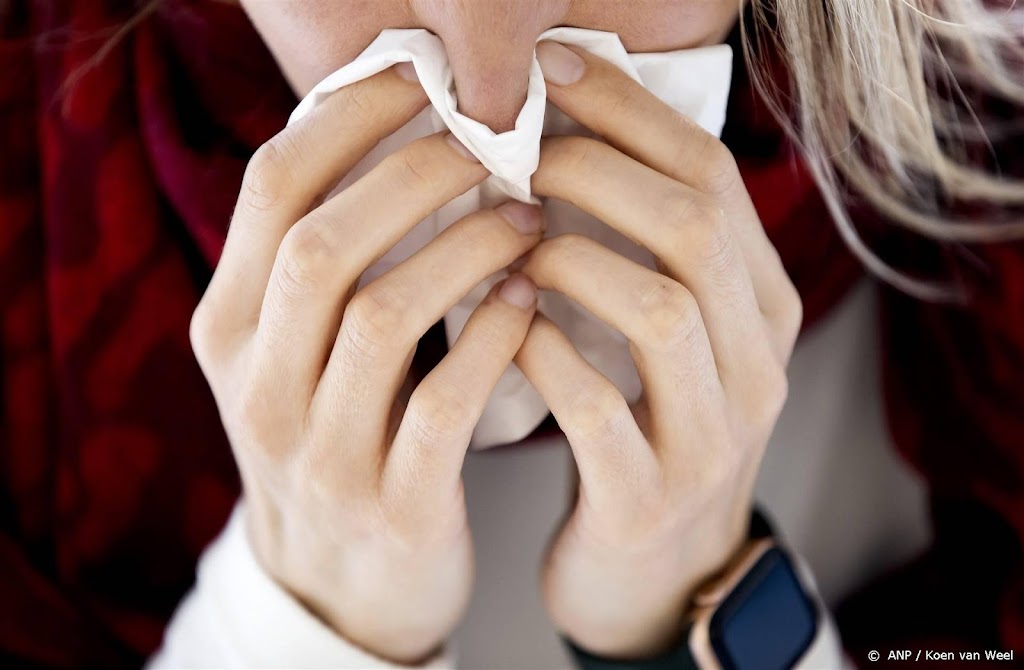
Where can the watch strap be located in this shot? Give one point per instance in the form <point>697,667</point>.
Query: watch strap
<point>680,657</point>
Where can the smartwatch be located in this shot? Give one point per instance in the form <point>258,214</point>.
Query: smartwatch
<point>755,615</point>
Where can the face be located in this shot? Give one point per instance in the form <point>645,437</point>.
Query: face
<point>489,42</point>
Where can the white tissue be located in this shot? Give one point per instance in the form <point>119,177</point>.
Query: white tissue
<point>695,82</point>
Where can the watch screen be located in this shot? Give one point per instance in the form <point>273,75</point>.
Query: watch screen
<point>767,622</point>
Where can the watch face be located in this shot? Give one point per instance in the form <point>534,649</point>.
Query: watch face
<point>767,621</point>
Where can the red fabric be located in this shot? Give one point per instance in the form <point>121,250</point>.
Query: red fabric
<point>121,158</point>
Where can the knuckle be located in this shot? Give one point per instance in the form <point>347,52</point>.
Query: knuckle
<point>571,243</point>
<point>685,207</point>
<point>305,256</point>
<point>681,208</point>
<point>203,333</point>
<point>494,334</point>
<point>769,397</point>
<point>671,315</point>
<point>478,234</point>
<point>597,413</point>
<point>561,247</point>
<point>720,173</point>
<point>267,176</point>
<point>572,153</point>
<point>418,169</point>
<point>250,416</point>
<point>624,101</point>
<point>374,321</point>
<point>791,315</point>
<point>439,416</point>
<point>710,239</point>
<point>357,100</point>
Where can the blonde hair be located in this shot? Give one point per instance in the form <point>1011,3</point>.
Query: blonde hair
<point>879,110</point>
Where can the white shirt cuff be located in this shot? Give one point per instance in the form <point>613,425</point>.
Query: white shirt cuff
<point>237,616</point>
<point>826,650</point>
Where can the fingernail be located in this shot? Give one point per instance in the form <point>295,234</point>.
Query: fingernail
<point>523,217</point>
<point>461,148</point>
<point>519,291</point>
<point>560,65</point>
<point>406,70</point>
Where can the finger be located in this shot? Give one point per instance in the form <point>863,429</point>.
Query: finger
<point>658,315</point>
<point>425,461</point>
<point>612,455</point>
<point>634,120</point>
<point>322,256</point>
<point>291,171</point>
<point>385,319</point>
<point>685,229</point>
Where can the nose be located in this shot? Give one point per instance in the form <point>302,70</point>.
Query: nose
<point>491,87</point>
<point>490,48</point>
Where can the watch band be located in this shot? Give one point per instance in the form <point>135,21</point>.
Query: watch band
<point>760,525</point>
<point>679,658</point>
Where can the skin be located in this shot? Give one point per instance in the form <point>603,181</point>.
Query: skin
<point>490,42</point>
<point>352,471</point>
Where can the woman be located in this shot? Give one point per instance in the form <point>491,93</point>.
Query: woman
<point>349,459</point>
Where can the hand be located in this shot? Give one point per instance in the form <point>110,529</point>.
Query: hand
<point>352,477</point>
<point>666,484</point>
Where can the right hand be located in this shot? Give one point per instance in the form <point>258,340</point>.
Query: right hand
<point>352,478</point>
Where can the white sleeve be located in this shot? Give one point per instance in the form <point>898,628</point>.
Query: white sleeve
<point>826,651</point>
<point>237,616</point>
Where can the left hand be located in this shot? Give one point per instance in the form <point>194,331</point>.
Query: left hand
<point>666,484</point>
